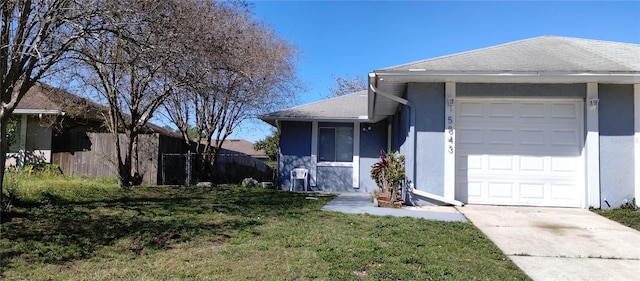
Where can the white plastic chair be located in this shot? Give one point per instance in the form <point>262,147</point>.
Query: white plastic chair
<point>299,174</point>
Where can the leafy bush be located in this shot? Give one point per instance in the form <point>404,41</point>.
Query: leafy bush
<point>389,173</point>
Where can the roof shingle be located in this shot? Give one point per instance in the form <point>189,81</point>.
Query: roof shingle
<point>539,54</point>
<point>347,107</point>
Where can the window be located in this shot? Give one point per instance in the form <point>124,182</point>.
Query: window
<point>13,134</point>
<point>335,144</point>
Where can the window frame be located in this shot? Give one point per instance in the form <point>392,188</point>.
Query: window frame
<point>334,162</point>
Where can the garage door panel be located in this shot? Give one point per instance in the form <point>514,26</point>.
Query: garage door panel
<point>564,165</point>
<point>475,189</point>
<point>564,111</point>
<point>532,191</point>
<point>519,152</point>
<point>532,137</point>
<point>472,110</point>
<point>501,189</point>
<point>532,164</point>
<point>564,137</point>
<point>500,163</point>
<point>563,191</point>
<point>501,136</point>
<point>474,162</point>
<point>531,110</point>
<point>500,110</point>
<point>472,136</point>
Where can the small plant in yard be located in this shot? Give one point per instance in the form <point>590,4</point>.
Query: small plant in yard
<point>389,173</point>
<point>631,205</point>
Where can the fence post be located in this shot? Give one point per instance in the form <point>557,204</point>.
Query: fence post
<point>164,176</point>
<point>188,169</point>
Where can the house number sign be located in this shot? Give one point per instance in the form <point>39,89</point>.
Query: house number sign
<point>450,140</point>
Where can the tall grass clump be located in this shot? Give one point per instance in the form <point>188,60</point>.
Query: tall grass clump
<point>42,184</point>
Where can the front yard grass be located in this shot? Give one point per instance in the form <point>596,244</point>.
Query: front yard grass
<point>229,233</point>
<point>627,216</point>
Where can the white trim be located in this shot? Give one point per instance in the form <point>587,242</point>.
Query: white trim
<point>38,111</point>
<point>636,125</point>
<point>356,155</point>
<point>23,140</point>
<point>314,154</point>
<point>592,150</point>
<point>422,193</point>
<point>507,77</point>
<point>334,164</point>
<point>449,142</point>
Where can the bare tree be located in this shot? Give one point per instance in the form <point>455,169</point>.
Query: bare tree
<point>246,70</point>
<point>134,65</point>
<point>35,35</point>
<point>347,85</point>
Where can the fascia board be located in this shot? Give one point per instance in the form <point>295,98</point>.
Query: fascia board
<point>38,111</point>
<point>509,77</point>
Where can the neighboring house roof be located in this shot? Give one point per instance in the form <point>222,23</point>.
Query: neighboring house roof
<point>43,98</point>
<point>347,107</point>
<point>243,146</point>
<point>539,54</point>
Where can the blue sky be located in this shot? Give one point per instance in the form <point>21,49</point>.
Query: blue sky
<point>339,38</point>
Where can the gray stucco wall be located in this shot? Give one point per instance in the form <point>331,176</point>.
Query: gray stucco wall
<point>371,143</point>
<point>334,179</point>
<point>616,124</point>
<point>295,150</point>
<point>428,99</point>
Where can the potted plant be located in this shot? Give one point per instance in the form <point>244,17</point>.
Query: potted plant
<point>388,173</point>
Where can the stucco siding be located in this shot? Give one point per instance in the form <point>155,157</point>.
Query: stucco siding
<point>334,179</point>
<point>520,90</point>
<point>428,99</point>
<point>35,147</point>
<point>616,126</point>
<point>373,139</point>
<point>38,136</point>
<point>295,149</point>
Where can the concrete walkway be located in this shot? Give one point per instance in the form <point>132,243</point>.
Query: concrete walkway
<point>561,243</point>
<point>361,203</point>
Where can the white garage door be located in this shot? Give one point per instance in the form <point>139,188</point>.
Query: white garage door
<point>519,152</point>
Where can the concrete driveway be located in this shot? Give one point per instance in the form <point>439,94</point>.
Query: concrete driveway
<point>560,243</point>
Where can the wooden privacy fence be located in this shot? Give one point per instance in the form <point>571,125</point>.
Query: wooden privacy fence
<point>184,168</point>
<point>93,155</point>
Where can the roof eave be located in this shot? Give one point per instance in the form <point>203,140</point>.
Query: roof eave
<point>272,119</point>
<point>406,76</point>
<point>38,111</point>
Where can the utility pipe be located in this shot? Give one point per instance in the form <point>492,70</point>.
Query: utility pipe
<point>413,166</point>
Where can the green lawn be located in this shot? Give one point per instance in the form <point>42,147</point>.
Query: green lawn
<point>99,232</point>
<point>627,216</point>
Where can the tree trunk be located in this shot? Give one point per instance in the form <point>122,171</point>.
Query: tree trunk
<point>123,170</point>
<point>4,120</point>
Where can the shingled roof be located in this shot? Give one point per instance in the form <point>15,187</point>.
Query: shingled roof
<point>42,98</point>
<point>544,59</point>
<point>539,54</point>
<point>243,146</point>
<point>348,107</point>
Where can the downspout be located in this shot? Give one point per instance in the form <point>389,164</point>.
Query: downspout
<point>413,165</point>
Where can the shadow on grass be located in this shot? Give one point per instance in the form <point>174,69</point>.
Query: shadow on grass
<point>56,230</point>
